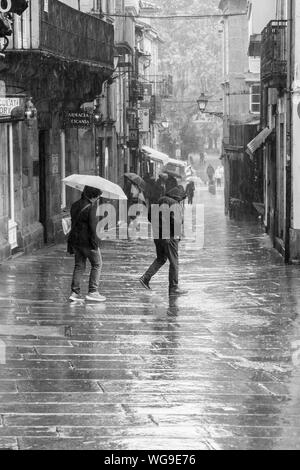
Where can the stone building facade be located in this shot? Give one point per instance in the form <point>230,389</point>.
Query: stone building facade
<point>59,57</point>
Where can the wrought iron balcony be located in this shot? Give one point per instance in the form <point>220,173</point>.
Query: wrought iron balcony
<point>136,90</point>
<point>59,30</point>
<point>274,54</point>
<point>162,85</point>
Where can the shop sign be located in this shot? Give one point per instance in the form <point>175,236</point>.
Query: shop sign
<point>144,120</point>
<point>79,120</point>
<point>7,105</point>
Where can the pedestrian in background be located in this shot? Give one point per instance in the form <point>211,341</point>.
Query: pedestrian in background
<point>85,245</point>
<point>190,192</point>
<point>211,179</point>
<point>219,176</point>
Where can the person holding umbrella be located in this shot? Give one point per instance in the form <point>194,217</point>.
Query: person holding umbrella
<point>167,248</point>
<point>135,194</point>
<point>83,241</point>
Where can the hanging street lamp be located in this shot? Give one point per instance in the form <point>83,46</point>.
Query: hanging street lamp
<point>98,116</point>
<point>30,112</point>
<point>202,102</point>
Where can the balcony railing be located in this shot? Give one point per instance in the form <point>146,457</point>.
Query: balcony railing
<point>162,85</point>
<point>274,54</point>
<point>60,30</point>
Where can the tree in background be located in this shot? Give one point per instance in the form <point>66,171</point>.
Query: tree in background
<point>192,54</point>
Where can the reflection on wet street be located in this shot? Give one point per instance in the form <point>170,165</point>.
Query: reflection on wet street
<point>218,369</point>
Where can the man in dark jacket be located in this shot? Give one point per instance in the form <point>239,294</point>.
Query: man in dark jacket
<point>167,247</point>
<point>84,242</point>
<point>190,191</point>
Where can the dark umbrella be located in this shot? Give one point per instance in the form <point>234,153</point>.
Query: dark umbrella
<point>136,180</point>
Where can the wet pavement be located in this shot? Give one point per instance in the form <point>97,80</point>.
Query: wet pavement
<point>218,369</point>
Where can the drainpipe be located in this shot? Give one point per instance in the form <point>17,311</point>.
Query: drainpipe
<point>289,109</point>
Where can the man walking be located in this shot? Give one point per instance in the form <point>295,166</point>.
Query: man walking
<point>190,191</point>
<point>84,243</point>
<point>167,248</point>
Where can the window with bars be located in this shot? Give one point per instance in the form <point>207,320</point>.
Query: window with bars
<point>255,98</point>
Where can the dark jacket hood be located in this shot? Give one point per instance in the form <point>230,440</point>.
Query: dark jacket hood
<point>178,194</point>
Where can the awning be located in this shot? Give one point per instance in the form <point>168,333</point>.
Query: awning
<point>155,155</point>
<point>257,142</point>
<point>179,163</point>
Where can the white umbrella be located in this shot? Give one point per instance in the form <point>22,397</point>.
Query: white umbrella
<point>109,190</point>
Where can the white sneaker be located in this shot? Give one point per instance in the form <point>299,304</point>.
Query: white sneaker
<point>75,297</point>
<point>96,297</point>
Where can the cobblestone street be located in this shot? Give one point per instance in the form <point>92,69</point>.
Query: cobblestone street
<point>216,369</point>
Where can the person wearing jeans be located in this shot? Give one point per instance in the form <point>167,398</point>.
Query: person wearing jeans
<point>167,248</point>
<point>84,244</point>
<point>95,259</point>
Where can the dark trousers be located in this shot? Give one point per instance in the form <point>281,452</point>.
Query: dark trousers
<point>81,257</point>
<point>167,250</point>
